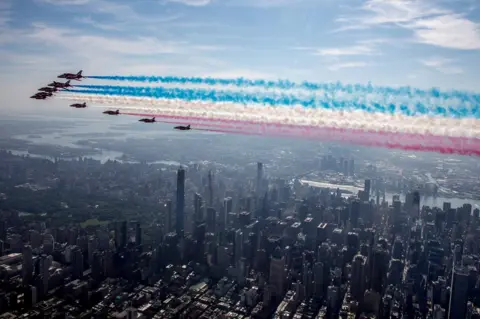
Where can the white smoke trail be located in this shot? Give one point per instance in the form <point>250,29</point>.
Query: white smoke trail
<point>358,120</point>
<point>341,97</point>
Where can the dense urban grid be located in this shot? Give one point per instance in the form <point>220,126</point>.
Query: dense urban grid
<point>82,239</point>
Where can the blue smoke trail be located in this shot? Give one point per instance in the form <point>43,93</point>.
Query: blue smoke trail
<point>286,84</point>
<point>275,99</point>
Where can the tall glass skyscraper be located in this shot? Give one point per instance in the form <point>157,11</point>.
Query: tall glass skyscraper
<point>180,212</point>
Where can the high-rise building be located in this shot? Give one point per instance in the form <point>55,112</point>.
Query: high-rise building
<point>211,219</point>
<point>379,269</point>
<point>3,230</point>
<point>45,263</point>
<point>354,213</point>
<point>458,293</point>
<point>416,203</point>
<point>121,234</point>
<point>277,272</point>
<point>366,190</point>
<point>77,263</point>
<point>227,209</point>
<point>259,178</point>
<point>210,189</point>
<point>197,208</point>
<point>238,246</point>
<point>131,313</point>
<point>168,216</point>
<point>357,281</point>
<point>351,167</point>
<point>27,265</point>
<point>180,211</point>
<point>138,234</point>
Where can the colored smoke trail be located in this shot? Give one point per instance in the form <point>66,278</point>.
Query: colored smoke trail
<point>391,141</point>
<point>464,96</point>
<point>399,140</point>
<point>291,116</point>
<point>290,100</point>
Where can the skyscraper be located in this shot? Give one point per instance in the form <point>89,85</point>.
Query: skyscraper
<point>3,230</point>
<point>27,265</point>
<point>458,293</point>
<point>138,234</point>
<point>259,178</point>
<point>210,189</point>
<point>358,284</point>
<point>197,205</point>
<point>416,203</point>
<point>277,272</point>
<point>121,234</point>
<point>179,226</point>
<point>168,216</point>
<point>211,219</point>
<point>77,263</point>
<point>366,190</point>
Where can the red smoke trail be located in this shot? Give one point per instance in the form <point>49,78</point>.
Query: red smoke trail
<point>391,140</point>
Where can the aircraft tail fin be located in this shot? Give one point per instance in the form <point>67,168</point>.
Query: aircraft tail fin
<point>68,82</point>
<point>80,72</point>
<point>188,126</point>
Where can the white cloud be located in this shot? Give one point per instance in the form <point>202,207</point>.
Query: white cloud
<point>53,49</point>
<point>66,2</point>
<point>430,23</point>
<point>5,13</point>
<point>346,51</point>
<point>338,66</point>
<point>102,26</point>
<point>234,73</point>
<point>94,45</point>
<point>442,65</point>
<point>124,16</point>
<point>364,47</point>
<point>196,3</point>
<point>448,31</point>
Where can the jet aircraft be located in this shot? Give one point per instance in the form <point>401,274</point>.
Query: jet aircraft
<point>60,84</point>
<point>182,128</point>
<point>48,89</point>
<point>72,76</point>
<point>146,120</point>
<point>79,105</point>
<point>117,112</point>
<point>41,95</point>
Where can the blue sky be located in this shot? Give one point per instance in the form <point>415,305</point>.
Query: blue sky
<point>423,43</point>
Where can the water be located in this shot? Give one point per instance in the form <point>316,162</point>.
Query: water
<point>424,200</point>
<point>102,157</point>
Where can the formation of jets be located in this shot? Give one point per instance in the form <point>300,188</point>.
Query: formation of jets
<point>48,91</point>
<point>55,87</point>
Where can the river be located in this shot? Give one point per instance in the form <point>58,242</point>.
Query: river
<point>424,200</point>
